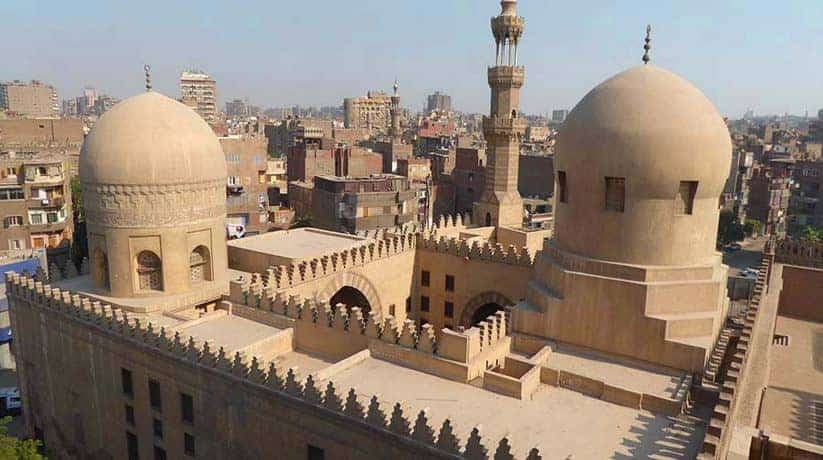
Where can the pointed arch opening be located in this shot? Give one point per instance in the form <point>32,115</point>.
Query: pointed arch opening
<point>149,271</point>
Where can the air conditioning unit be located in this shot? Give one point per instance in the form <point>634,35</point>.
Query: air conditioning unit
<point>44,201</point>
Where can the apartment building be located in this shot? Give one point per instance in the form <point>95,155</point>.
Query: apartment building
<point>32,99</point>
<point>247,183</point>
<point>35,202</point>
<point>198,90</point>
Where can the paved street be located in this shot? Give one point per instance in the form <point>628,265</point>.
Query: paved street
<point>749,256</point>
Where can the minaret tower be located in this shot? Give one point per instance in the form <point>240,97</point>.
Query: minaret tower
<point>500,204</point>
<point>395,113</point>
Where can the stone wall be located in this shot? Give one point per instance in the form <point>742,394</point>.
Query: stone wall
<point>802,293</point>
<point>73,352</point>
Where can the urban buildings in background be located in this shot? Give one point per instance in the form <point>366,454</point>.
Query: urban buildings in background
<point>35,203</point>
<point>91,103</point>
<point>438,102</point>
<point>372,112</point>
<point>198,90</point>
<point>400,341</point>
<point>33,99</point>
<point>559,116</point>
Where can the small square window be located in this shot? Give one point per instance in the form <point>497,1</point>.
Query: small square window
<point>425,278</point>
<point>154,395</point>
<point>450,283</point>
<point>129,414</point>
<point>157,428</point>
<point>424,303</point>
<point>188,444</point>
<point>125,378</point>
<point>448,309</point>
<point>615,194</point>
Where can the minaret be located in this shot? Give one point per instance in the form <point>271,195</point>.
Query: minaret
<point>395,114</point>
<point>500,203</point>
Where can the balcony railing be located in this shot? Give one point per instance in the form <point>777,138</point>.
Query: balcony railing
<point>57,202</point>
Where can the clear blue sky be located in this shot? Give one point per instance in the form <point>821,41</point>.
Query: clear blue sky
<point>763,54</point>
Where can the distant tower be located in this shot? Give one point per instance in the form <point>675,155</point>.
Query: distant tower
<point>395,112</point>
<point>500,203</point>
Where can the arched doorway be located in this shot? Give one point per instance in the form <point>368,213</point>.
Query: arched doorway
<point>351,297</point>
<point>484,312</point>
<point>482,306</point>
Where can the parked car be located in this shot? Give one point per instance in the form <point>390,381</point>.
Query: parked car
<point>749,272</point>
<point>5,335</point>
<point>732,247</point>
<point>10,403</point>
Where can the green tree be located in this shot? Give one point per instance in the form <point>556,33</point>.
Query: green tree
<point>752,226</point>
<point>811,234</point>
<point>15,448</point>
<point>729,228</point>
<point>77,200</point>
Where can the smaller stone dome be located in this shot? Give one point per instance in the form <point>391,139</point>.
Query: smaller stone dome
<point>150,139</point>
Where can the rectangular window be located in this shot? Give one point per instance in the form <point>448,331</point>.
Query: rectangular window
<point>157,428</point>
<point>561,186</point>
<point>684,203</point>
<point>615,194</point>
<point>125,379</point>
<point>154,395</point>
<point>13,221</point>
<point>391,310</point>
<point>187,408</point>
<point>131,446</point>
<point>188,444</point>
<point>159,453</point>
<point>16,244</point>
<point>408,304</point>
<point>52,217</point>
<point>448,309</point>
<point>315,453</point>
<point>424,303</point>
<point>36,219</point>
<point>11,194</point>
<point>450,283</point>
<point>425,278</point>
<point>129,415</point>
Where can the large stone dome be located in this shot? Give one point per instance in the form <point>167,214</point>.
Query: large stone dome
<point>651,133</point>
<point>151,139</point>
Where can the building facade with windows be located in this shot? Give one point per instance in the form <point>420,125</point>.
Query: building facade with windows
<point>247,184</point>
<point>35,202</point>
<point>32,99</point>
<point>198,90</point>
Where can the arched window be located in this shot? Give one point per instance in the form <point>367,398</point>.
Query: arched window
<point>199,265</point>
<point>488,219</point>
<point>149,271</point>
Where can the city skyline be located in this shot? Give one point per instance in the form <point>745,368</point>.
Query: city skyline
<point>283,55</point>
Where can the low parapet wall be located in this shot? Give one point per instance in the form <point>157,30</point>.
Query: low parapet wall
<point>798,252</point>
<point>488,252</point>
<point>413,437</point>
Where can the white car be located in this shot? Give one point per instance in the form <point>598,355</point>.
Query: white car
<point>10,402</point>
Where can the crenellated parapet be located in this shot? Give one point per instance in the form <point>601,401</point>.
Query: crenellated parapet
<point>797,252</point>
<point>28,293</point>
<point>489,252</point>
<point>286,276</point>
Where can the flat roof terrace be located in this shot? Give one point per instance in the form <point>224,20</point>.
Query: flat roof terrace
<point>562,423</point>
<point>257,253</point>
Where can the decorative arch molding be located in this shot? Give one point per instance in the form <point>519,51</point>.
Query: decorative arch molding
<point>478,301</point>
<point>357,281</point>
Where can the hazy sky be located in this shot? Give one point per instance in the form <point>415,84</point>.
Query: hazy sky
<point>761,54</point>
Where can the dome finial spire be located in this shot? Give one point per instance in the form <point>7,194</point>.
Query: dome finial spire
<point>147,69</point>
<point>648,45</point>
